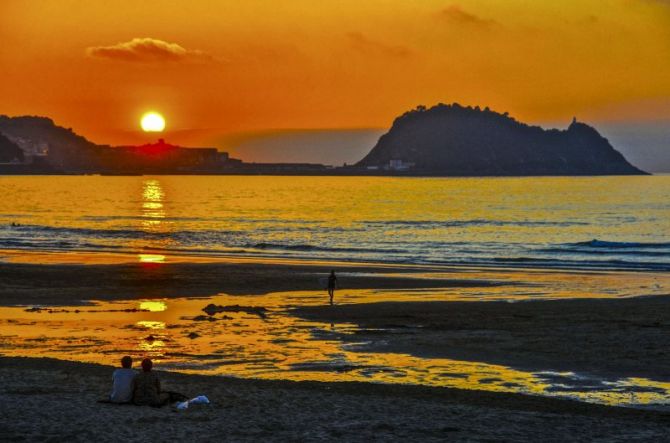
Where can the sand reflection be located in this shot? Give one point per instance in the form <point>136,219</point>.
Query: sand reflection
<point>258,337</point>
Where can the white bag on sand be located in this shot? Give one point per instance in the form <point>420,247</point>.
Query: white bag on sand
<point>199,400</point>
<point>182,405</point>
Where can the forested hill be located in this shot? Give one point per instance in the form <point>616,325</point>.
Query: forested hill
<point>467,141</point>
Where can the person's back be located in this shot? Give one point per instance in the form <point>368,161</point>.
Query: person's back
<point>147,386</point>
<point>122,382</point>
<point>146,389</point>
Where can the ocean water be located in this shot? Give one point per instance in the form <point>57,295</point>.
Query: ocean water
<point>552,222</point>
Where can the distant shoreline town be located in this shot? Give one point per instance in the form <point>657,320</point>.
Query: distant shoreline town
<point>445,140</point>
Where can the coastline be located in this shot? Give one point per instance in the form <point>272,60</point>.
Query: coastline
<point>74,283</point>
<point>71,278</point>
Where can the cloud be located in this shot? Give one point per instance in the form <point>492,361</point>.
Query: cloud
<point>456,14</point>
<point>149,50</point>
<point>363,44</point>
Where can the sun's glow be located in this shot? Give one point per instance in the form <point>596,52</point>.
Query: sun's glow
<point>152,122</point>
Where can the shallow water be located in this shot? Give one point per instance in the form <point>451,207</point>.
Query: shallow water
<point>258,337</point>
<point>545,222</point>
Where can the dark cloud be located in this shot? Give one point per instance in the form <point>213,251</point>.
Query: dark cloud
<point>365,45</point>
<point>149,50</point>
<point>456,14</point>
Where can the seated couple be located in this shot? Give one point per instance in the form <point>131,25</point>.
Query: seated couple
<point>140,388</point>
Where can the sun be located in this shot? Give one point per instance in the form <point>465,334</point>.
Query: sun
<point>152,122</point>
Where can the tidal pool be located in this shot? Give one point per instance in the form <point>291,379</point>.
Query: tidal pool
<point>257,336</point>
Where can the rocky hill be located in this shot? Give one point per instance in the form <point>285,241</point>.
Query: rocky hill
<point>9,151</point>
<point>66,149</point>
<point>466,141</point>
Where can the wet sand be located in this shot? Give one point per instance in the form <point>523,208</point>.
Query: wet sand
<point>71,284</point>
<point>49,400</point>
<point>609,337</point>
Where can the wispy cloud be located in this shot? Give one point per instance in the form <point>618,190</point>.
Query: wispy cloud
<point>456,14</point>
<point>365,45</point>
<point>149,50</point>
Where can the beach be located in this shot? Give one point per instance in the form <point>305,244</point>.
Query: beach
<point>46,400</point>
<point>124,277</point>
<point>614,338</point>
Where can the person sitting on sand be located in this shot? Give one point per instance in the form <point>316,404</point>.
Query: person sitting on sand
<point>147,387</point>
<point>122,382</point>
<point>332,284</point>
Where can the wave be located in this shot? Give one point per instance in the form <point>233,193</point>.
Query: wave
<point>345,243</point>
<point>466,223</point>
<point>117,233</point>
<point>623,252</point>
<point>584,264</point>
<point>308,247</point>
<point>618,245</point>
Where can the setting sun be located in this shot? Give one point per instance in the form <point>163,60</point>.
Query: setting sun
<point>152,122</point>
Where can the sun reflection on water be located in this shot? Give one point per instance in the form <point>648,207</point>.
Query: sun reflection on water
<point>153,305</point>
<point>151,258</point>
<point>151,324</point>
<point>153,210</point>
<point>152,346</point>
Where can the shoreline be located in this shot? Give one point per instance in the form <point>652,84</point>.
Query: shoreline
<point>72,284</point>
<point>118,257</point>
<point>64,394</point>
<point>58,278</point>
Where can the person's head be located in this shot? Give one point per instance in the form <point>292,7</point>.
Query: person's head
<point>147,364</point>
<point>127,362</point>
<point>332,272</point>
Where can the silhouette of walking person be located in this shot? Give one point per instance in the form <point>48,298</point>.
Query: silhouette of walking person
<point>332,284</point>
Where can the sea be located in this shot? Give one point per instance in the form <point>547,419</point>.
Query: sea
<point>619,223</point>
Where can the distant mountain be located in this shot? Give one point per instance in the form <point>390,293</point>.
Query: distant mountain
<point>465,141</point>
<point>9,151</point>
<point>39,135</point>
<point>49,147</point>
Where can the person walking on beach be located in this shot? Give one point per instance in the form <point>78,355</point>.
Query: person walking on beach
<point>122,382</point>
<point>332,284</point>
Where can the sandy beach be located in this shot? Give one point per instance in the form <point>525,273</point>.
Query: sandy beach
<point>53,400</point>
<point>47,400</point>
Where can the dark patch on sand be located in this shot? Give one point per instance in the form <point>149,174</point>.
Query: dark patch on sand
<point>611,337</point>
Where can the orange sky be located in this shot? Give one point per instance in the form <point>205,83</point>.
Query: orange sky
<point>223,67</point>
